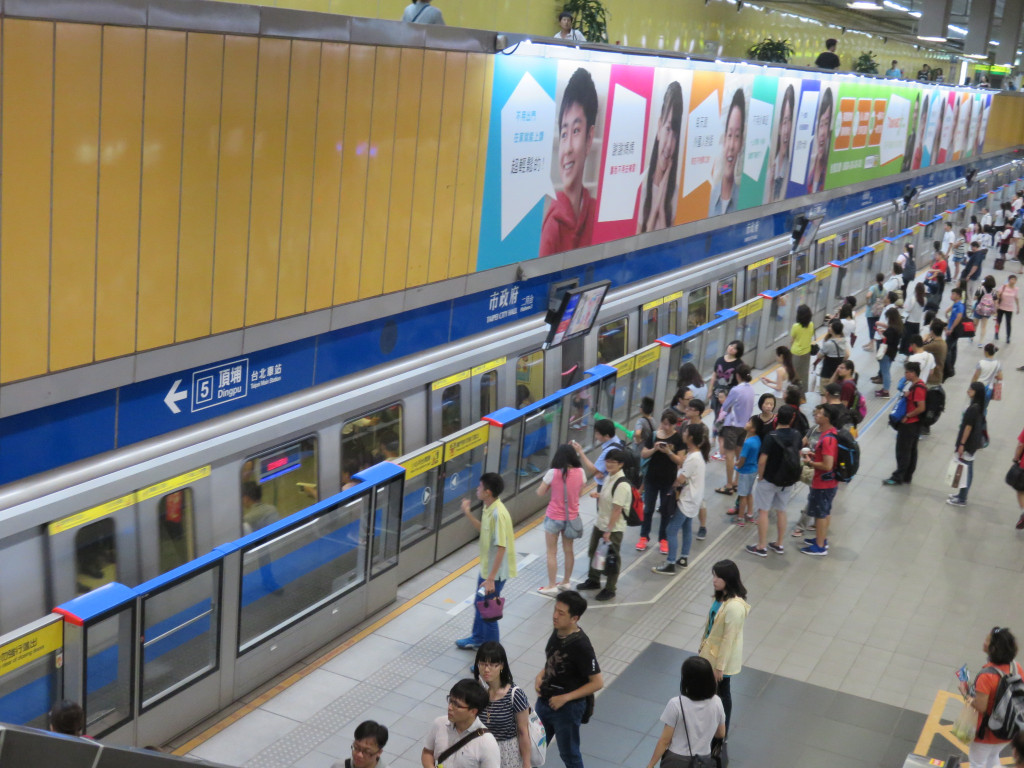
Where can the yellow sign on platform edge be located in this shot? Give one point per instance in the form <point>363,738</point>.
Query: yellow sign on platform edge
<point>32,646</point>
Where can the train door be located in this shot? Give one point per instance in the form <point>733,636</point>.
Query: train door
<point>612,340</point>
<point>726,295</point>
<point>825,252</point>
<point>170,514</point>
<point>450,400</point>
<point>659,317</point>
<point>93,547</point>
<point>842,252</point>
<point>758,277</point>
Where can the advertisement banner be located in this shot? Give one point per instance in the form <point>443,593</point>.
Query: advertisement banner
<point>806,120</point>
<point>760,111</point>
<point>783,132</point>
<point>663,168</point>
<point>703,145</point>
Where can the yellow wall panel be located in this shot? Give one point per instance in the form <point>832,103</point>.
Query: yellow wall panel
<point>267,169</point>
<point>76,126</point>
<point>27,55</point>
<point>465,181</point>
<point>481,161</point>
<point>298,178</point>
<point>117,221</point>
<point>161,187</point>
<point>234,177</point>
<point>203,70</point>
<point>421,222</point>
<point>330,132</point>
<point>447,165</point>
<point>355,151</point>
<point>378,184</point>
<point>403,169</point>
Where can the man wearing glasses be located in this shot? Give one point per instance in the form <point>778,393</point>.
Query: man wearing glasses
<point>370,739</point>
<point>460,739</point>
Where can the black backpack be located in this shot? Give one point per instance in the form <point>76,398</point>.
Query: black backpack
<point>848,456</point>
<point>934,405</point>
<point>1007,717</point>
<point>791,466</point>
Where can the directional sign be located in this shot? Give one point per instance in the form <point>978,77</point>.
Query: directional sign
<point>173,396</point>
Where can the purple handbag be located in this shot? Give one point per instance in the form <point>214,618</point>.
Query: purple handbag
<point>490,607</point>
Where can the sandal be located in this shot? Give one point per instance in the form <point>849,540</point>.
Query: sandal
<point>726,490</point>
<point>797,532</point>
<point>552,590</point>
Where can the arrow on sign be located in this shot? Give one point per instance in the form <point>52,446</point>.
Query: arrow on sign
<point>172,398</point>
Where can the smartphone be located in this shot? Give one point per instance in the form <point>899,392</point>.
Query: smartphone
<point>660,443</point>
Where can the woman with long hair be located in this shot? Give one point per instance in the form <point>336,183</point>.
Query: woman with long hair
<point>1007,304</point>
<point>778,166</point>
<point>662,168</point>
<point>726,189</point>
<point>892,332</point>
<point>970,438</point>
<point>1000,649</point>
<point>508,714</point>
<point>689,377</point>
<point>565,482</point>
<point>692,719</point>
<point>722,644</point>
<point>915,308</point>
<point>822,140</point>
<point>801,335</point>
<point>723,378</point>
<point>984,307</point>
<point>988,371</point>
<point>690,480</point>
<point>785,374</point>
<point>664,455</point>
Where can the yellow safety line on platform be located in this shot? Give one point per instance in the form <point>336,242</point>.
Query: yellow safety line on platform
<point>266,696</point>
<point>933,726</point>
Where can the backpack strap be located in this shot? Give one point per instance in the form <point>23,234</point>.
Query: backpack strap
<point>460,744</point>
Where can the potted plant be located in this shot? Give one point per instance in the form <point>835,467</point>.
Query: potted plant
<point>591,18</point>
<point>777,51</point>
<point>866,64</point>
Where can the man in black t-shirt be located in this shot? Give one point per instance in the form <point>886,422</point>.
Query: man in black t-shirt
<point>570,677</point>
<point>827,59</point>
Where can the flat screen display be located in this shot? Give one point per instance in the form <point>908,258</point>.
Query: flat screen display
<point>809,233</point>
<point>577,314</point>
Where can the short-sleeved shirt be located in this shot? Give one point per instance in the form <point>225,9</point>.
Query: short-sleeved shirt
<point>422,13</point>
<point>1008,298</point>
<point>702,720</point>
<point>561,490</point>
<point>941,266</point>
<point>606,502</point>
<point>987,370</point>
<point>496,531</point>
<point>828,445</point>
<point>827,60</point>
<point>500,715</point>
<point>749,453</point>
<point>691,495</point>
<point>570,664</point>
<point>481,752</point>
<point>927,362</point>
<point>661,470</point>
<point>988,683</point>
<point>599,465</point>
<point>725,371</point>
<point>802,337</point>
<point>937,348</point>
<point>772,446</point>
<point>948,238</point>
<point>739,405</point>
<point>574,34</point>
<point>957,310</point>
<point>915,395</point>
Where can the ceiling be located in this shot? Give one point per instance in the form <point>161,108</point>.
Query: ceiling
<point>893,24</point>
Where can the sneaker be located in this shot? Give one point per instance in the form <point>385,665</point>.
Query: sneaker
<point>589,584</point>
<point>1020,524</point>
<point>666,569</point>
<point>702,533</point>
<point>467,644</point>
<point>777,548</point>
<point>814,550</point>
<point>882,393</point>
<point>891,481</point>
<point>954,501</point>
<point>815,542</point>
<point>681,562</point>
<point>642,544</point>
<point>663,546</point>
<point>716,456</point>
<point>876,379</point>
<point>754,550</point>
<point>732,511</point>
<point>605,594</point>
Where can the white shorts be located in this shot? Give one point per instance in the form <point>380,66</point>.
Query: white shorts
<point>768,496</point>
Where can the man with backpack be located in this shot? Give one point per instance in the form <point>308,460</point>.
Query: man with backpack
<point>778,469</point>
<point>852,400</point>
<point>824,484</point>
<point>613,504</point>
<point>908,427</point>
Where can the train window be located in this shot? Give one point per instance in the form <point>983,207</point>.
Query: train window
<point>530,378</point>
<point>278,482</point>
<point>842,249</point>
<point>611,340</point>
<point>783,272</point>
<point>651,326</point>
<point>451,409</point>
<point>758,278</point>
<point>488,393</point>
<point>799,264</point>
<point>725,298</point>
<point>372,438</point>
<point>95,555</point>
<point>672,312</point>
<point>697,307</point>
<point>176,524</point>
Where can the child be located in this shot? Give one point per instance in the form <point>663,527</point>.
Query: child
<point>746,470</point>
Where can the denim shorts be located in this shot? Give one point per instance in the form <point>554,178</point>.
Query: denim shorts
<point>819,502</point>
<point>745,483</point>
<point>555,527</point>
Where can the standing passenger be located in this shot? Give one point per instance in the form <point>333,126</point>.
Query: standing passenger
<point>778,470</point>
<point>908,432</point>
<point>422,12</point>
<point>664,453</point>
<point>824,483</point>
<point>737,407</point>
<point>508,714</point>
<point>565,481</point>
<point>722,644</point>
<point>447,743</point>
<point>497,553</point>
<point>613,501</point>
<point>691,495</point>
<point>369,741</point>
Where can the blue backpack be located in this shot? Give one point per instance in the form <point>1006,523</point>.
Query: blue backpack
<point>899,412</point>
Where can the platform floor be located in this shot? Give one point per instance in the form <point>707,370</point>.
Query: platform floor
<point>847,656</point>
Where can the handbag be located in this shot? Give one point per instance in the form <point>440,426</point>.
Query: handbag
<point>491,607</point>
<point>997,390</point>
<point>1015,477</point>
<point>719,753</point>
<point>597,562</point>
<point>672,760</point>
<point>880,352</point>
<point>966,724</point>
<point>573,526</point>
<point>538,737</point>
<point>956,477</point>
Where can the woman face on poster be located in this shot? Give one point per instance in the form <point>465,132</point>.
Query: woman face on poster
<point>822,135</point>
<point>732,148</point>
<point>779,165</point>
<point>659,198</point>
<point>922,124</point>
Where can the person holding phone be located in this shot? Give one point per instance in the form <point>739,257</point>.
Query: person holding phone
<point>664,454</point>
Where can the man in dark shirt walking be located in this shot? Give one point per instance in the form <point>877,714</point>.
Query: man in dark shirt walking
<point>827,59</point>
<point>570,675</point>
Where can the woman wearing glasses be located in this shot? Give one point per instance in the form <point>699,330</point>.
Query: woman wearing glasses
<point>370,739</point>
<point>508,714</point>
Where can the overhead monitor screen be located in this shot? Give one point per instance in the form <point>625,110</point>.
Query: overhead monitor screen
<point>577,314</point>
<point>809,233</point>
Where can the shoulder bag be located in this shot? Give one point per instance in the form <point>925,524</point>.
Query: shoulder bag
<point>538,736</point>
<point>573,525</point>
<point>1015,477</point>
<point>439,760</point>
<point>671,760</point>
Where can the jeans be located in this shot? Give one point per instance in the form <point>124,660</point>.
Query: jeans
<point>485,630</point>
<point>970,479</point>
<point>1004,320</point>
<point>679,520</point>
<point>658,498</point>
<point>725,694</point>
<point>907,436</point>
<point>564,724</point>
<point>883,366</point>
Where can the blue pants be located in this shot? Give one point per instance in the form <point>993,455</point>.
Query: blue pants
<point>485,630</point>
<point>884,365</point>
<point>564,724</point>
<point>679,520</point>
<point>970,479</point>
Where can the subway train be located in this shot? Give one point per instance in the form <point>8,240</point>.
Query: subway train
<point>138,512</point>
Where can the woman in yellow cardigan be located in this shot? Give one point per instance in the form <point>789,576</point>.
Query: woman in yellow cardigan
<point>723,635</point>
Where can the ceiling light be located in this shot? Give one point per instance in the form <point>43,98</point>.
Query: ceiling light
<point>864,5</point>
<point>932,39</point>
<point>980,56</point>
<point>894,6</point>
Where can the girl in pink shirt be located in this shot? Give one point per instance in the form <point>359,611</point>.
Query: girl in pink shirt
<point>565,481</point>
<point>1007,305</point>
